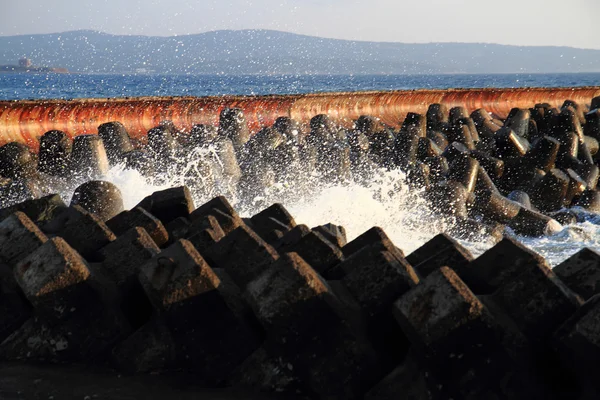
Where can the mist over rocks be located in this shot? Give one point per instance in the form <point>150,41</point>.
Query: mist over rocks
<point>269,52</point>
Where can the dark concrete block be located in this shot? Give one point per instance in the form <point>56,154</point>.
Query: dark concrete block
<point>243,254</point>
<point>336,234</point>
<point>292,236</point>
<point>40,210</point>
<point>85,232</point>
<point>537,301</point>
<point>452,255</point>
<point>373,235</point>
<point>581,273</point>
<point>498,265</point>
<point>220,208</point>
<point>203,233</point>
<point>180,282</point>
<point>298,311</point>
<point>19,237</point>
<point>317,251</point>
<point>138,217</point>
<point>122,258</point>
<point>14,308</point>
<point>148,349</point>
<point>169,204</point>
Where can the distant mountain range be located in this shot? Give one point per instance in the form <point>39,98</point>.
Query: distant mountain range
<point>273,52</point>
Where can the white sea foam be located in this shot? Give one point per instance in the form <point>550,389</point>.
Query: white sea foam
<point>385,201</point>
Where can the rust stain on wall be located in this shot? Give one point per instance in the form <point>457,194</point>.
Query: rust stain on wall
<point>26,121</point>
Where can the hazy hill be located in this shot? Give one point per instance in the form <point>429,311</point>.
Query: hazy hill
<point>273,52</point>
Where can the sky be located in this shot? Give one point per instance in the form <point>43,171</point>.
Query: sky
<point>573,23</point>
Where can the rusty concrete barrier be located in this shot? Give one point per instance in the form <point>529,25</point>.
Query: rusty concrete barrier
<point>466,169</point>
<point>26,121</point>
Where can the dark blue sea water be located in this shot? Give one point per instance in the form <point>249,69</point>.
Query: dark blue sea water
<point>67,86</point>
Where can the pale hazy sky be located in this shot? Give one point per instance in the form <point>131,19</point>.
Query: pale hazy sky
<point>521,22</point>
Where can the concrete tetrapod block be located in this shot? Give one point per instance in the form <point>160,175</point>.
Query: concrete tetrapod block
<point>54,278</point>
<point>99,197</point>
<point>578,336</point>
<point>581,273</point>
<point>458,338</point>
<point>75,315</point>
<point>243,254</point>
<point>116,140</point>
<point>375,280</point>
<point>274,217</point>
<point>55,148</point>
<point>370,236</point>
<point>364,254</point>
<point>300,315</point>
<point>549,193</point>
<point>436,114</point>
<point>336,234</point>
<point>14,308</point>
<point>150,348</point>
<point>537,301</point>
<point>39,210</point>
<point>84,231</point>
<point>177,229</point>
<point>317,251</point>
<point>455,256</point>
<point>138,217</point>
<point>203,233</point>
<point>498,265</point>
<point>181,284</point>
<point>379,280</point>
<point>232,125</point>
<point>169,204</point>
<point>533,223</point>
<point>262,372</point>
<point>17,162</point>
<point>19,237</point>
<point>88,158</point>
<point>122,258</point>
<point>578,344</point>
<point>220,208</point>
<point>292,236</point>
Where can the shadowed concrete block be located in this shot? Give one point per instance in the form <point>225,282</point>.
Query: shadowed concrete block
<point>243,254</point>
<point>581,272</point>
<point>317,251</point>
<point>19,237</point>
<point>296,307</point>
<point>219,208</point>
<point>169,204</point>
<point>85,232</point>
<point>537,300</point>
<point>123,257</point>
<point>137,216</point>
<point>39,210</point>
<point>203,311</point>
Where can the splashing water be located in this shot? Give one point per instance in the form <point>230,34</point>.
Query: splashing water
<point>385,201</point>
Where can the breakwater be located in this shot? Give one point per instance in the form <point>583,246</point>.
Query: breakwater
<point>266,303</point>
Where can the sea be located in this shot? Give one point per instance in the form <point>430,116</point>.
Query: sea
<point>384,201</point>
